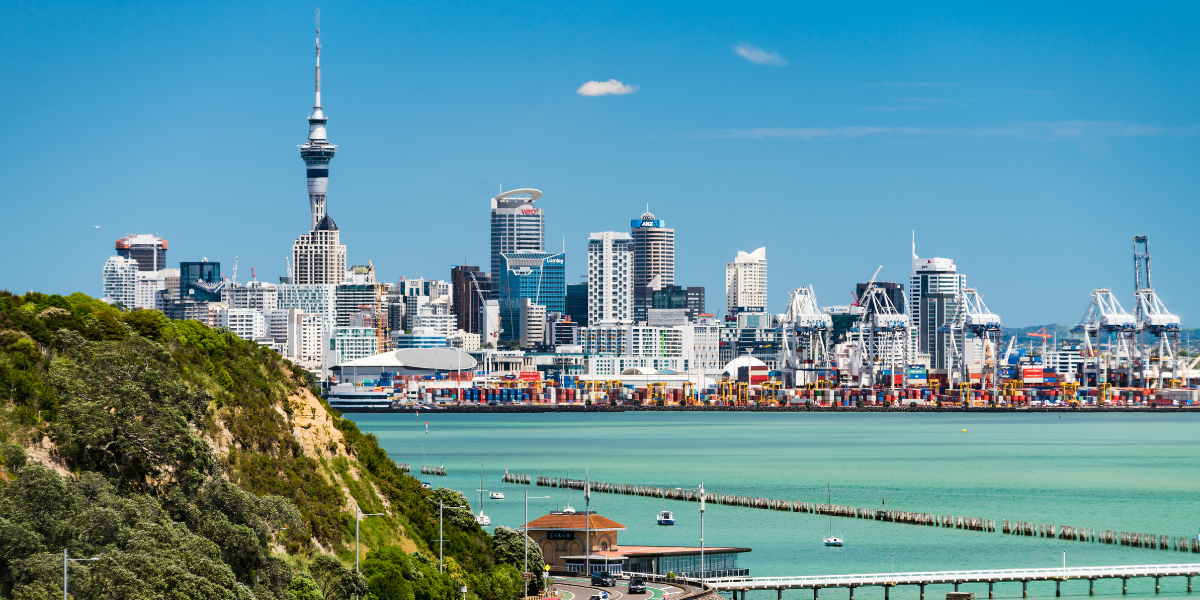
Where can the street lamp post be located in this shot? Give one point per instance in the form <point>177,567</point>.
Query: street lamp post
<point>703,570</point>
<point>441,535</point>
<point>70,560</point>
<point>525,530</point>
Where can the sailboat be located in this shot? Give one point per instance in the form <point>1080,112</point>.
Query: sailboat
<point>830,540</point>
<point>568,510</point>
<point>481,518</point>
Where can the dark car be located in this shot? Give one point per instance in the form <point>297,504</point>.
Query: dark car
<point>637,585</point>
<point>604,579</point>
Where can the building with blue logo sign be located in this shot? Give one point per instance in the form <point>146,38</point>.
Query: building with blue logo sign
<point>538,276</point>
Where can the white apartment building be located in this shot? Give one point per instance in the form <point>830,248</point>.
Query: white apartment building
<point>463,339</point>
<point>305,338</point>
<point>350,343</point>
<point>533,323</point>
<point>120,281</point>
<point>705,342</point>
<point>610,277</point>
<point>443,324</point>
<point>149,284</point>
<point>933,300</point>
<point>277,327</point>
<point>695,346</point>
<point>255,294</point>
<point>246,323</point>
<point>612,366</point>
<point>746,281</point>
<point>313,298</point>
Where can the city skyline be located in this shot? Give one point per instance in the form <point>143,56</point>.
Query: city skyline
<point>1048,227</point>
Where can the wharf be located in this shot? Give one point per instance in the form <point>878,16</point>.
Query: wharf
<point>956,578</point>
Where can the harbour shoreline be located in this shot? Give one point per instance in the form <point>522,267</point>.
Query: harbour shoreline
<point>600,408</point>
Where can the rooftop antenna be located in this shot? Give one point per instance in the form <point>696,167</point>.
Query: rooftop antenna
<point>318,56</point>
<point>235,270</point>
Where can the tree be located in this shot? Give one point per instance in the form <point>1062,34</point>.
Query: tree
<point>335,580</point>
<point>509,547</point>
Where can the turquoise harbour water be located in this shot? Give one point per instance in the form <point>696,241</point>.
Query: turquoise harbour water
<point>1126,472</point>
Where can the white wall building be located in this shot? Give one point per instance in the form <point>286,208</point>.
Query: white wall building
<point>463,339</point>
<point>277,327</point>
<point>120,281</point>
<point>746,281</point>
<point>350,343</point>
<point>306,338</point>
<point>255,294</point>
<point>533,323</point>
<point>610,277</point>
<point>246,323</point>
<point>150,283</point>
<point>443,324</point>
<point>315,298</point>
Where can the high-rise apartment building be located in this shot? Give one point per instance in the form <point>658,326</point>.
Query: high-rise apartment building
<point>610,278</point>
<point>149,251</point>
<point>258,295</point>
<point>320,299</point>
<point>653,250</point>
<point>472,287</point>
<point>120,281</point>
<point>746,282</point>
<point>518,225</point>
<point>318,257</point>
<point>533,323</point>
<point>538,276</point>
<point>933,293</point>
<point>306,338</point>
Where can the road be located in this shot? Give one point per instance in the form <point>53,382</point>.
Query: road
<point>579,588</point>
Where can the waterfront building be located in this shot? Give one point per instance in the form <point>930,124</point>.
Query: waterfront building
<point>518,225</point>
<point>576,541</point>
<point>746,282</point>
<point>120,277</point>
<point>421,337</point>
<point>149,251</point>
<point>577,302</point>
<point>610,277</point>
<point>471,288</point>
<point>350,343</point>
<point>933,292</point>
<point>653,250</point>
<point>538,276</point>
<point>400,362</point>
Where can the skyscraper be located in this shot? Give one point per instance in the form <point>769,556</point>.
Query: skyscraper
<point>517,226</point>
<point>653,251</point>
<point>318,256</point>
<point>120,281</point>
<point>472,288</point>
<point>538,276</point>
<point>610,278</point>
<point>746,282</point>
<point>149,251</point>
<point>933,292</point>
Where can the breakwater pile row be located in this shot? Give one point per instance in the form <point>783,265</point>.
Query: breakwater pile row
<point>1103,536</point>
<point>427,470</point>
<point>1046,530</point>
<point>405,468</point>
<point>515,478</point>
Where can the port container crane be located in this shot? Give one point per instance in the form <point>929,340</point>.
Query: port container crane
<point>805,338</point>
<point>1161,361</point>
<point>881,334</point>
<point>1104,315</point>
<point>976,319</point>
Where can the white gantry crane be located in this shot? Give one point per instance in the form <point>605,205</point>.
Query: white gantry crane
<point>1160,362</point>
<point>881,335</point>
<point>805,338</point>
<point>1104,316</point>
<point>975,318</point>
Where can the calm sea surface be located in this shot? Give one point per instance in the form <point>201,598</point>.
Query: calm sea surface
<point>1134,472</point>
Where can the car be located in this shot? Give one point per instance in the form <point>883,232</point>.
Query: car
<point>637,585</point>
<point>604,579</point>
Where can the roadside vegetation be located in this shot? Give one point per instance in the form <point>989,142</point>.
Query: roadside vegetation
<point>194,464</point>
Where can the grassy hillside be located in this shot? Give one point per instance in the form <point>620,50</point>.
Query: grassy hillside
<point>196,464</point>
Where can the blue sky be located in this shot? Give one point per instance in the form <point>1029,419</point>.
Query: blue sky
<point>1027,142</point>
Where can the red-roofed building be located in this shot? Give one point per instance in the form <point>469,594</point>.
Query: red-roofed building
<point>563,537</point>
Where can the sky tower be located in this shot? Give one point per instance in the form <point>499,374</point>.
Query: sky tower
<point>318,151</point>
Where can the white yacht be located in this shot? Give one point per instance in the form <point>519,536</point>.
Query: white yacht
<point>496,495</point>
<point>666,517</point>
<point>482,519</point>
<point>830,539</point>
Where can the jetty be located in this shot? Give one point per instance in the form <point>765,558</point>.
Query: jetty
<point>956,578</point>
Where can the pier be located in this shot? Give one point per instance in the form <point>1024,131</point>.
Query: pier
<point>956,578</point>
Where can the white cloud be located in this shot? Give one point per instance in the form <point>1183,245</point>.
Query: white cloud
<point>757,55</point>
<point>612,87</point>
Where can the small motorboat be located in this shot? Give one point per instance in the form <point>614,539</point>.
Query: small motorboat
<point>666,517</point>
<point>833,540</point>
<point>496,495</point>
